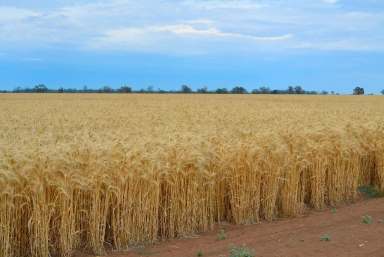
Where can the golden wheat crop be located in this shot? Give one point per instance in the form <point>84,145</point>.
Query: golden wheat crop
<point>95,171</point>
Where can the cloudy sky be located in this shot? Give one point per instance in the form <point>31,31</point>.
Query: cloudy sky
<point>318,44</point>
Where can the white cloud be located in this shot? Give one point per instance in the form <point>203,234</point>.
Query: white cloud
<point>13,14</point>
<point>193,25</point>
<point>225,4</point>
<point>188,30</point>
<point>31,59</point>
<point>331,1</point>
<point>341,45</point>
<point>200,21</point>
<point>179,37</point>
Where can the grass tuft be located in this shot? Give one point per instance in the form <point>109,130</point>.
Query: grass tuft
<point>325,237</point>
<point>221,235</point>
<point>241,251</point>
<point>200,253</point>
<point>366,219</point>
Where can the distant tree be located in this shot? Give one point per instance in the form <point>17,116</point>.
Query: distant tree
<point>290,90</point>
<point>60,90</point>
<point>324,92</point>
<point>221,91</point>
<point>17,90</point>
<point>106,89</point>
<point>202,90</point>
<point>358,91</point>
<point>40,88</point>
<point>150,89</point>
<point>382,92</point>
<point>125,89</point>
<point>186,89</point>
<point>299,90</point>
<point>238,90</point>
<point>275,92</point>
<point>262,90</point>
<point>73,90</point>
<point>161,91</point>
<point>265,90</point>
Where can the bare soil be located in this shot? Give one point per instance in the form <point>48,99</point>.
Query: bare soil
<point>297,237</point>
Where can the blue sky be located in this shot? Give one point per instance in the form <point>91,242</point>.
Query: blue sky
<point>318,44</point>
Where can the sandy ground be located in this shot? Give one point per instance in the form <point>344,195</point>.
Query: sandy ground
<point>298,237</point>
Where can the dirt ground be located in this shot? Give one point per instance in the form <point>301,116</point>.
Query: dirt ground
<point>298,237</point>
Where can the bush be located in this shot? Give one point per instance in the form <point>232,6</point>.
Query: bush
<point>221,91</point>
<point>239,90</point>
<point>358,91</point>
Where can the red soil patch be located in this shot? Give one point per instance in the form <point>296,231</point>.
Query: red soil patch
<point>298,237</point>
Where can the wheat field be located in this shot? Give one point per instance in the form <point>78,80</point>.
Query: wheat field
<point>95,172</point>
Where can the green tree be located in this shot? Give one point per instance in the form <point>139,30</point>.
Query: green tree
<point>150,89</point>
<point>358,91</point>
<point>202,90</point>
<point>221,91</point>
<point>186,89</point>
<point>106,89</point>
<point>265,90</point>
<point>40,88</point>
<point>125,89</point>
<point>299,90</point>
<point>239,90</point>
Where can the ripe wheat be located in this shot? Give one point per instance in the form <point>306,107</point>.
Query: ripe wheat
<point>97,172</point>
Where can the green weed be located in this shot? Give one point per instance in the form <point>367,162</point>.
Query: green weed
<point>367,219</point>
<point>325,237</point>
<point>221,235</point>
<point>241,252</point>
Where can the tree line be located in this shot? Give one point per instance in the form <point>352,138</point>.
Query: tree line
<point>184,89</point>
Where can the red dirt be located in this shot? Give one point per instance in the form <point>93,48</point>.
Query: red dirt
<point>298,237</point>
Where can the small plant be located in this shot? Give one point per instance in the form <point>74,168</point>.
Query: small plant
<point>241,252</point>
<point>333,210</point>
<point>325,237</point>
<point>200,253</point>
<point>221,235</point>
<point>367,219</point>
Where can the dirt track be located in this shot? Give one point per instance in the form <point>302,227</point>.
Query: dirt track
<point>299,237</point>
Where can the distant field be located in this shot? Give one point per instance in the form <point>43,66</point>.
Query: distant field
<point>101,171</point>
